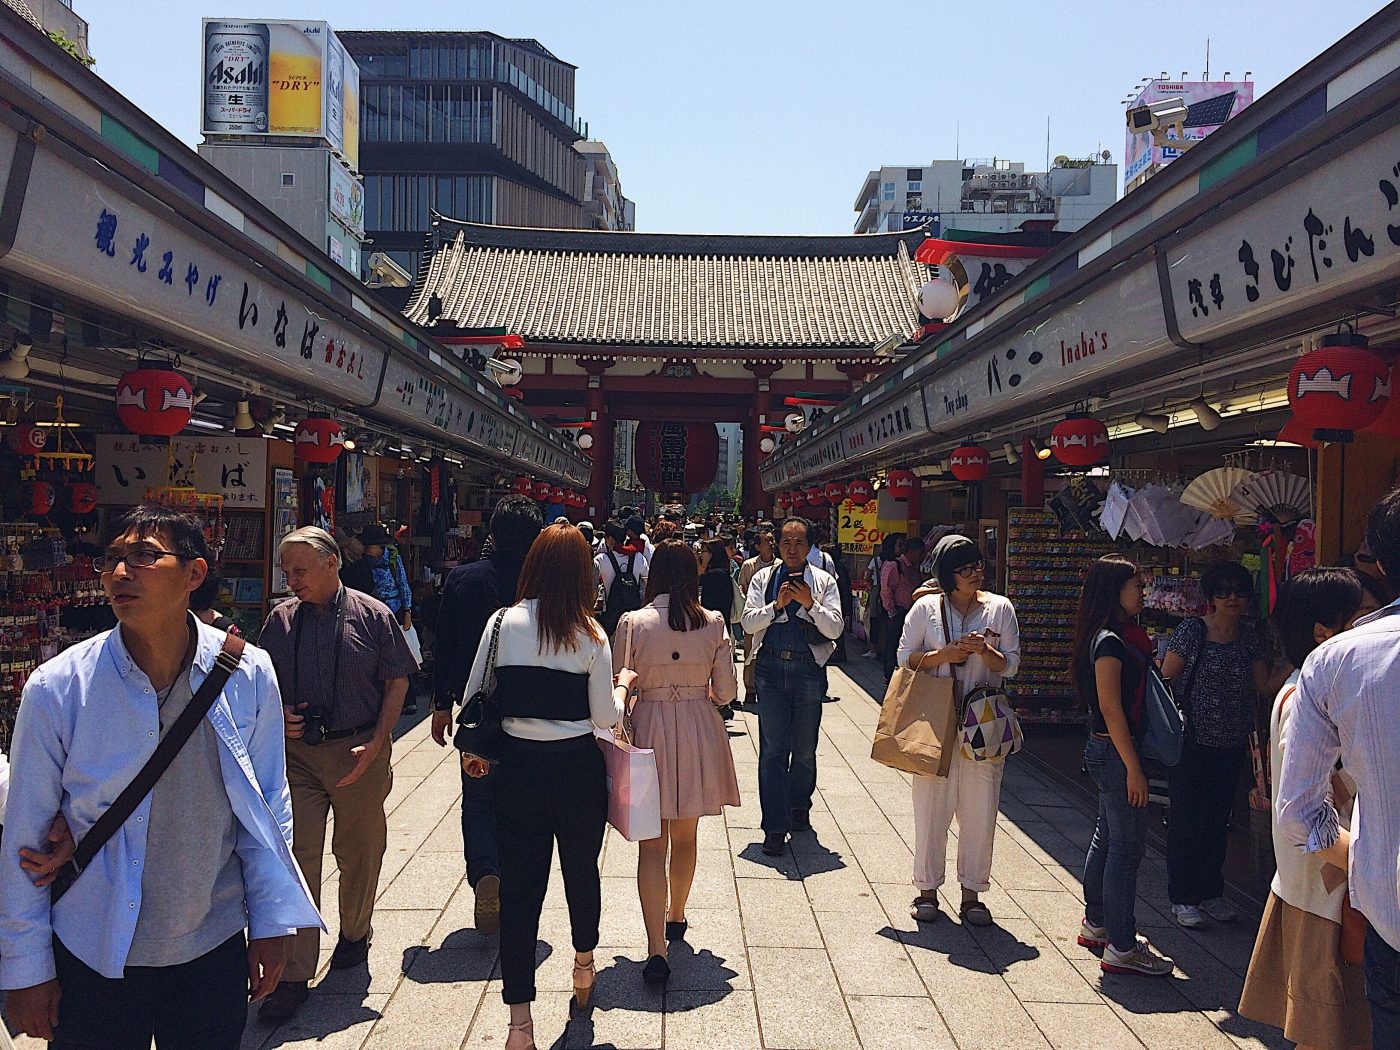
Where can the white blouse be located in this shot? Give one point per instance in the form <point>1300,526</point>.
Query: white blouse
<point>923,632</point>
<point>520,646</point>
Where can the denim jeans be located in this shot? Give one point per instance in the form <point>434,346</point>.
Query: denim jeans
<point>479,827</point>
<point>1382,964</point>
<point>1111,867</point>
<point>789,721</point>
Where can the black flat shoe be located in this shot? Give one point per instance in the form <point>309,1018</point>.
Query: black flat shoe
<point>676,931</point>
<point>657,970</point>
<point>774,843</point>
<point>350,953</point>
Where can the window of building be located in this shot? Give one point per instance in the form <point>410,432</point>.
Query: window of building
<point>913,174</point>
<point>887,191</point>
<point>915,187</point>
<point>288,179</point>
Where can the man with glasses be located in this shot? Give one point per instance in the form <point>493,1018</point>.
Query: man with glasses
<point>149,941</point>
<point>344,668</point>
<point>793,611</point>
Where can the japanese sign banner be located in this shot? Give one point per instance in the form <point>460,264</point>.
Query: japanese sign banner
<point>232,467</point>
<point>856,527</point>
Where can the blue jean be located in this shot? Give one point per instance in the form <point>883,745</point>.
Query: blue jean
<point>1382,964</point>
<point>479,827</point>
<point>789,722</point>
<point>1111,867</point>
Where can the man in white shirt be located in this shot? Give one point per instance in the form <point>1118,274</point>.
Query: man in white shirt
<point>794,613</point>
<point>1347,706</point>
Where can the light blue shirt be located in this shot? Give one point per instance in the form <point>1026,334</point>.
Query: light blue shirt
<point>87,722</point>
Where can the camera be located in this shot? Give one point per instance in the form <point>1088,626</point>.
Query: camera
<point>1164,113</point>
<point>313,730</point>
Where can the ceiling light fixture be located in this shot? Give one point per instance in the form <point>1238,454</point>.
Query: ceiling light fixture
<point>1155,422</point>
<point>1012,456</point>
<point>1206,415</point>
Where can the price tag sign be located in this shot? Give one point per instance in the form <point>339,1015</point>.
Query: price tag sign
<point>857,528</point>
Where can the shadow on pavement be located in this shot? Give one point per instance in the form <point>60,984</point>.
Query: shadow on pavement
<point>336,1004</point>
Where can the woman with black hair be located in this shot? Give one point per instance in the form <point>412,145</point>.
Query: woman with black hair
<point>971,635</point>
<point>1296,979</point>
<point>1111,669</point>
<point>716,581</point>
<point>1217,676</point>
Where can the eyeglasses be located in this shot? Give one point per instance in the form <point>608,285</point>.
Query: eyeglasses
<point>1225,593</point>
<point>968,571</point>
<point>140,558</point>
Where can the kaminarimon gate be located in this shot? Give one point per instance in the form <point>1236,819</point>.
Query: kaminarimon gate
<point>688,328</point>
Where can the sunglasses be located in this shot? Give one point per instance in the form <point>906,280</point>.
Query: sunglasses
<point>1230,592</point>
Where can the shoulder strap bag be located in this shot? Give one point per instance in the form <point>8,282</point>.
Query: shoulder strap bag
<point>990,728</point>
<point>479,729</point>
<point>1163,732</point>
<point>170,745</point>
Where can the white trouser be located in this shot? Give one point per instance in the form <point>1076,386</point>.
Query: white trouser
<point>971,791</point>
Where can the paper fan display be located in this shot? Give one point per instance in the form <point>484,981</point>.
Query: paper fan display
<point>1115,509</point>
<point>1278,497</point>
<point>1214,493</point>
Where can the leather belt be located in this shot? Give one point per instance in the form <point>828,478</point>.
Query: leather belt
<point>787,654</point>
<point>341,734</point>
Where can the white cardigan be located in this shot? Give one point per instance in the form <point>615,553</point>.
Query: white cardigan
<point>520,646</point>
<point>923,631</point>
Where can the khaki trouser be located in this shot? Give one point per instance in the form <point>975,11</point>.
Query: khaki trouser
<point>750,680</point>
<point>358,841</point>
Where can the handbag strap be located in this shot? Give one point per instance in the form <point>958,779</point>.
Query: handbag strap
<point>489,674</point>
<point>115,815</point>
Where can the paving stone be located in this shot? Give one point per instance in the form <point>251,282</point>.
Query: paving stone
<point>1034,969</point>
<point>799,1002</point>
<point>427,880</point>
<point>776,915</point>
<point>705,1020</point>
<point>1082,1027</point>
<point>891,1022</point>
<point>332,1022</point>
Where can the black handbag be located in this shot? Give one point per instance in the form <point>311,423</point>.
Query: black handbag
<point>479,729</point>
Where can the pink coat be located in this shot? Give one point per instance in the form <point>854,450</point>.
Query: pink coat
<point>664,658</point>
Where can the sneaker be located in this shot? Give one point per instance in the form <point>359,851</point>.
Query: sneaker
<point>1190,916</point>
<point>1095,938</point>
<point>1219,909</point>
<point>1141,960</point>
<point>486,911</point>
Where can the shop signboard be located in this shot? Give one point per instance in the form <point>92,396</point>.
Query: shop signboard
<point>222,465</point>
<point>891,425</point>
<point>347,198</point>
<point>857,528</point>
<point>91,237</point>
<point>280,77</point>
<point>818,456</point>
<point>1320,237</point>
<point>1209,104</point>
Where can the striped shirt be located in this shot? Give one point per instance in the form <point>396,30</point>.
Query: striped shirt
<point>1348,706</point>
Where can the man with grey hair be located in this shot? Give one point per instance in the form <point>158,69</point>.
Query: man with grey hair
<point>343,667</point>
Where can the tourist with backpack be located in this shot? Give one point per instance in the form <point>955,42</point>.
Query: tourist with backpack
<point>622,575</point>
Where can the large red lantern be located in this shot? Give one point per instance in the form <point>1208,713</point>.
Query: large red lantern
<point>860,491</point>
<point>902,485</point>
<point>970,463</point>
<point>785,500</point>
<point>798,498</point>
<point>815,495</point>
<point>82,497</point>
<point>676,457</point>
<point>557,495</point>
<point>319,439</point>
<point>154,401</point>
<point>1339,388</point>
<point>540,490</point>
<point>835,492</point>
<point>520,486</point>
<point>40,498</point>
<point>27,439</point>
<point>1080,441</point>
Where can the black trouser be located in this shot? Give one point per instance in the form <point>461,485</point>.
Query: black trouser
<point>894,629</point>
<point>479,827</point>
<point>547,790</point>
<point>198,1005</point>
<point>1202,788</point>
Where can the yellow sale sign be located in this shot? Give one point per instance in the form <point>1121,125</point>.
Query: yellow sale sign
<point>857,527</point>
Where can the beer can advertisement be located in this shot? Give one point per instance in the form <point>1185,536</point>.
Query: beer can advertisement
<point>280,78</point>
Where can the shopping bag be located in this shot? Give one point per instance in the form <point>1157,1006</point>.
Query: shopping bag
<point>634,792</point>
<point>414,646</point>
<point>918,730</point>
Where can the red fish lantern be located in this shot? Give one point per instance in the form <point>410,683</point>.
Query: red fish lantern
<point>41,498</point>
<point>1339,388</point>
<point>785,500</point>
<point>970,463</point>
<point>82,497</point>
<point>27,439</point>
<point>556,495</point>
<point>799,500</point>
<point>815,495</point>
<point>860,491</point>
<point>154,401</point>
<point>1080,441</point>
<point>540,490</point>
<point>520,486</point>
<point>319,439</point>
<point>902,485</point>
<point>835,492</point>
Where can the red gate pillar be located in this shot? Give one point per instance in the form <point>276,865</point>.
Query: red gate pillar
<point>755,500</point>
<point>600,483</point>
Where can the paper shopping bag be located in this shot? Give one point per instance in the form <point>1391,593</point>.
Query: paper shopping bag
<point>918,730</point>
<point>634,792</point>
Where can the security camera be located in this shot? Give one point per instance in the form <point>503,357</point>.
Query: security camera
<point>385,273</point>
<point>1164,113</point>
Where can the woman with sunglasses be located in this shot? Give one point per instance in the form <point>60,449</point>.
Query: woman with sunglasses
<point>972,635</point>
<point>1217,676</point>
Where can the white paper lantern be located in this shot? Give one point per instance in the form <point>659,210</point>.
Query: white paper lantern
<point>767,445</point>
<point>585,441</point>
<point>794,422</point>
<point>938,299</point>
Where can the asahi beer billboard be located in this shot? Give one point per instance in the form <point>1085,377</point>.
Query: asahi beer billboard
<point>280,78</point>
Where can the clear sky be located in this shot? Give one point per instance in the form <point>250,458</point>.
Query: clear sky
<point>763,116</point>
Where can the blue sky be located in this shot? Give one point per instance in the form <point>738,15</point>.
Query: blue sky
<point>762,116</point>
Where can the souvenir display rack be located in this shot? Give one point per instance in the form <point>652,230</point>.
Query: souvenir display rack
<point>1044,572</point>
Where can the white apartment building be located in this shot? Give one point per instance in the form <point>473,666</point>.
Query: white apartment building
<point>993,196</point>
<point>604,206</point>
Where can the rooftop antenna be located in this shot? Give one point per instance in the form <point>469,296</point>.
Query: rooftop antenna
<point>1047,142</point>
<point>957,142</point>
<point>1207,76</point>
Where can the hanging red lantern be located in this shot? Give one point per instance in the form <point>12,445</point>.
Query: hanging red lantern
<point>860,491</point>
<point>580,500</point>
<point>902,485</point>
<point>520,486</point>
<point>970,463</point>
<point>319,439</point>
<point>154,401</point>
<point>798,499</point>
<point>815,495</point>
<point>1387,423</point>
<point>1339,388</point>
<point>82,497</point>
<point>28,439</point>
<point>40,498</point>
<point>835,492</point>
<point>1080,441</point>
<point>556,495</point>
<point>676,457</point>
<point>785,500</point>
<point>540,490</point>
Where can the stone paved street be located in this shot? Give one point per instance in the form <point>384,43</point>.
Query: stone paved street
<point>816,950</point>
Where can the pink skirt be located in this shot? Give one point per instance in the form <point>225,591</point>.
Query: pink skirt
<point>693,761</point>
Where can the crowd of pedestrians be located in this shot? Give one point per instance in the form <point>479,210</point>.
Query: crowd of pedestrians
<point>207,891</point>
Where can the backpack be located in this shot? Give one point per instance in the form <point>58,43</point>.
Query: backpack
<point>1164,732</point>
<point>625,594</point>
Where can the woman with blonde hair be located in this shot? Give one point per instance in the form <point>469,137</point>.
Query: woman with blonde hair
<point>553,684</point>
<point>684,661</point>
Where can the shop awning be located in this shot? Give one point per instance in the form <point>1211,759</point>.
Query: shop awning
<point>1279,221</point>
